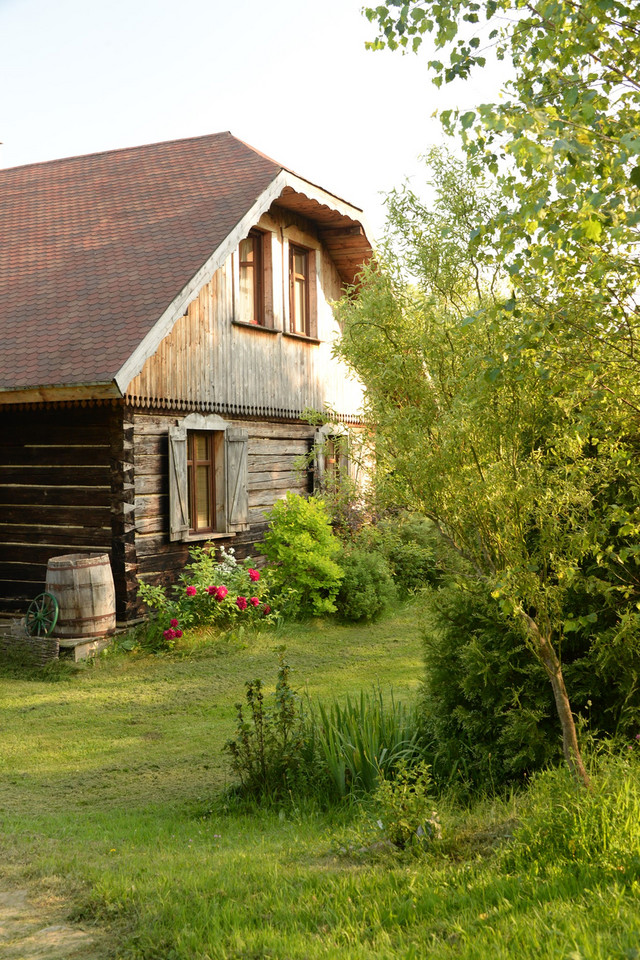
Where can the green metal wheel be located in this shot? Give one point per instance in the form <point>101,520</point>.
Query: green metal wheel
<point>42,615</point>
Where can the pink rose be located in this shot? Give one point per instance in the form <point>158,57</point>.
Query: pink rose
<point>190,591</point>
<point>254,601</point>
<point>174,622</point>
<point>222,592</point>
<point>241,603</point>
<point>253,574</point>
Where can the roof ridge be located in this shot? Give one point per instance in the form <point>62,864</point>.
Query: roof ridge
<point>143,146</point>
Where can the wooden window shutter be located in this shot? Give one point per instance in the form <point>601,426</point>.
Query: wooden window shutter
<point>313,293</point>
<point>178,491</point>
<point>237,472</point>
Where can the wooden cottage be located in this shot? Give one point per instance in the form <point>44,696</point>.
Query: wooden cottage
<point>165,321</point>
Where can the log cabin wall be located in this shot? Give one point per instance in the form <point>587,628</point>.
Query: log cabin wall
<point>275,452</point>
<point>212,362</point>
<point>61,491</point>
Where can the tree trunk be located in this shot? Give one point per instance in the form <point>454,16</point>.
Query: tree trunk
<point>553,669</point>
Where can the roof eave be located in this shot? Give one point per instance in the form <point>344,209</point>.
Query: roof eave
<point>60,392</point>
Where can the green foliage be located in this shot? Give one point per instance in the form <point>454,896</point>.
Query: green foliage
<point>518,449</point>
<point>367,586</point>
<point>564,139</point>
<point>301,547</point>
<point>405,807</point>
<point>363,739</point>
<point>409,545</point>
<point>485,706</point>
<point>600,827</point>
<point>269,752</point>
<point>223,593</point>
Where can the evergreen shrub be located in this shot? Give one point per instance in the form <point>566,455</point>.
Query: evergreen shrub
<point>487,705</point>
<point>367,586</point>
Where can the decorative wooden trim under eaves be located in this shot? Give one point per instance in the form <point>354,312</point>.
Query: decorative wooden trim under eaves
<point>232,409</point>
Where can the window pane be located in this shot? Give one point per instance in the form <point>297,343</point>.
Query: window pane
<point>299,306</point>
<point>300,262</point>
<point>247,295</point>
<point>203,505</point>
<point>202,446</point>
<point>250,305</point>
<point>247,250</point>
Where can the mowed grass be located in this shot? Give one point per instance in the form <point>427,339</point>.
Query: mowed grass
<point>110,792</point>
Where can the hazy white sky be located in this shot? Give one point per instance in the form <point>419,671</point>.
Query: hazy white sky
<point>290,77</point>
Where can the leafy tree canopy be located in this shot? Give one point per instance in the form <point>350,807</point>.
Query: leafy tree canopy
<point>565,143</point>
<point>528,471</point>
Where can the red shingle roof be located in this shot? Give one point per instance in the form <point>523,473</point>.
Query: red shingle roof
<point>93,249</point>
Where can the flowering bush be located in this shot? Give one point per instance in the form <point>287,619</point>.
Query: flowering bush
<point>209,591</point>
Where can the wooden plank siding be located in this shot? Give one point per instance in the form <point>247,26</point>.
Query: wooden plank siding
<point>208,362</point>
<point>277,452</point>
<point>59,487</point>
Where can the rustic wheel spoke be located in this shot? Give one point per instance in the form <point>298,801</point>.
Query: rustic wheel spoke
<point>42,615</point>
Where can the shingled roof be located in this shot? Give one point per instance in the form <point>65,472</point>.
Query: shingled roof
<point>94,249</point>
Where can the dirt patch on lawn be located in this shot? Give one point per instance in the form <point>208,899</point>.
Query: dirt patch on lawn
<point>33,928</point>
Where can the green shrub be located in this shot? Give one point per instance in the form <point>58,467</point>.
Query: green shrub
<point>486,705</point>
<point>404,807</point>
<point>301,548</point>
<point>270,750</point>
<point>408,545</point>
<point>367,586</point>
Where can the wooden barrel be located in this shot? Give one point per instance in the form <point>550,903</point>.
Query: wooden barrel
<point>82,583</point>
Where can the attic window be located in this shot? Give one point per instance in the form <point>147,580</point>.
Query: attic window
<point>299,289</point>
<point>253,292</point>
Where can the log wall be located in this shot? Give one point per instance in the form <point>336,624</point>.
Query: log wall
<point>60,487</point>
<point>275,450</point>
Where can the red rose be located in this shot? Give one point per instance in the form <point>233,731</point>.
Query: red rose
<point>178,633</point>
<point>174,622</point>
<point>191,591</point>
<point>169,634</point>
<point>222,592</point>
<point>212,591</point>
<point>253,574</point>
<point>254,601</point>
<point>266,609</point>
<point>241,602</point>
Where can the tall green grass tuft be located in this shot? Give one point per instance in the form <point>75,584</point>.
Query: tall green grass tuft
<point>561,823</point>
<point>364,738</point>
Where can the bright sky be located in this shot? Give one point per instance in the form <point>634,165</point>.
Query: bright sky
<point>290,77</point>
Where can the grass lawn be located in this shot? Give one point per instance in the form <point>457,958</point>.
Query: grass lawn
<point>110,781</point>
